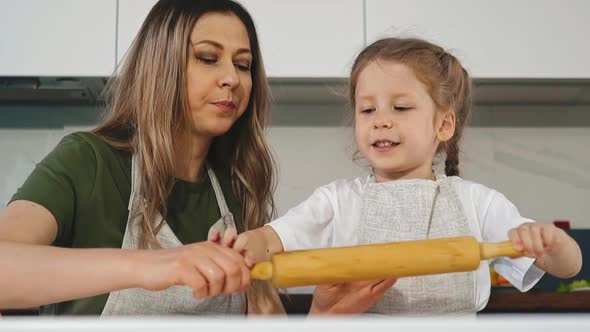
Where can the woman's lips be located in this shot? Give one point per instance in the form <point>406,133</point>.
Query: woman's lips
<point>225,106</point>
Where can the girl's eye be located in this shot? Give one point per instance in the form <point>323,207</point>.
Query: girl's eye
<point>368,110</point>
<point>401,108</point>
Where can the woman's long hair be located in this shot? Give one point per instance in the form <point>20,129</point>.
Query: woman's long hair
<point>147,108</point>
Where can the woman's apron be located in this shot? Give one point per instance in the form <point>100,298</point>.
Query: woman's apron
<point>176,299</point>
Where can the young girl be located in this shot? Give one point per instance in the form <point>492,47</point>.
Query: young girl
<point>411,100</point>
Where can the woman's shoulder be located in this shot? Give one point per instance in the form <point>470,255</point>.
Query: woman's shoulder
<point>88,147</point>
<point>89,140</point>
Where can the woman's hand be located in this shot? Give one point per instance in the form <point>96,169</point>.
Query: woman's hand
<point>266,300</point>
<point>348,298</point>
<point>209,268</point>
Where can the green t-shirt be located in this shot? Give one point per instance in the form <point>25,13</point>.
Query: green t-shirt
<point>86,184</point>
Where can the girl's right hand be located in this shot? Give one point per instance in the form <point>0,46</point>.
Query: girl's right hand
<point>243,243</point>
<point>255,245</point>
<point>208,268</point>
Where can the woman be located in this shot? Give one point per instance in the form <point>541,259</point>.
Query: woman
<point>181,153</point>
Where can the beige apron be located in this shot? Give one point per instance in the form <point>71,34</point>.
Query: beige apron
<point>176,299</point>
<point>414,210</point>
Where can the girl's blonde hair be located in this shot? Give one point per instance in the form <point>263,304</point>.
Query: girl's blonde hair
<point>447,82</point>
<point>148,107</point>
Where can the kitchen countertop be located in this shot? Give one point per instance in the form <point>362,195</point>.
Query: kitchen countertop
<point>489,323</point>
<point>502,300</point>
<point>511,300</point>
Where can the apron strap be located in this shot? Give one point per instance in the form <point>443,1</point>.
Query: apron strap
<point>226,214</point>
<point>135,182</point>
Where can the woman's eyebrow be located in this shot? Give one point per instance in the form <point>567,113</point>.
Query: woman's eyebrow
<point>219,46</point>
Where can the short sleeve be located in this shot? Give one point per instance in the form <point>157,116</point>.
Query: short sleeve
<point>309,225</point>
<point>57,182</point>
<point>499,218</point>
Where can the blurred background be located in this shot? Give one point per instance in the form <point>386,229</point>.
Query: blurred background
<point>529,136</point>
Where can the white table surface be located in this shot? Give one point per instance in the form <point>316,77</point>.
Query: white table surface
<point>486,323</point>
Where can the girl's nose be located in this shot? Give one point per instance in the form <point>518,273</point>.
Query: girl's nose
<point>382,122</point>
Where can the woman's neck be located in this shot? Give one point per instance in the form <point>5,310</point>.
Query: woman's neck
<point>190,155</point>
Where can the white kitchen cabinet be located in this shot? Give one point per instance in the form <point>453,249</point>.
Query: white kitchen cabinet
<point>131,16</point>
<point>308,38</point>
<point>495,39</point>
<point>298,38</point>
<point>57,37</point>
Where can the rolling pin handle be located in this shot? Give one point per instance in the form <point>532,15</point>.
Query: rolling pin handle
<point>262,271</point>
<point>492,250</point>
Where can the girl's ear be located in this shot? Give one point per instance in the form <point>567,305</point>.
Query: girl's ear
<point>445,128</point>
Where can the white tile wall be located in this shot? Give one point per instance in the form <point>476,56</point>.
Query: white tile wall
<point>543,171</point>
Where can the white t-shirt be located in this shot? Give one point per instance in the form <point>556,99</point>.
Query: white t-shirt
<point>330,218</point>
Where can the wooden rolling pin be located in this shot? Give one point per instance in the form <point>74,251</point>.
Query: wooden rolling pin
<point>378,261</point>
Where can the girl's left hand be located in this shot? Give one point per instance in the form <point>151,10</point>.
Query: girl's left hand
<point>537,239</point>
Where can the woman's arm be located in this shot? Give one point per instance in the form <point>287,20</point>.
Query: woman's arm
<point>32,273</point>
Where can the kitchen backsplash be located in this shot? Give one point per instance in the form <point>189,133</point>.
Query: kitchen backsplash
<point>543,170</point>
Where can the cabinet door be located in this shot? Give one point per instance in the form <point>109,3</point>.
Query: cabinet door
<point>299,38</point>
<point>57,37</point>
<point>131,16</point>
<point>495,39</point>
<point>308,38</point>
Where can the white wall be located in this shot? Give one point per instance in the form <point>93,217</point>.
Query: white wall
<point>543,170</point>
<point>494,39</point>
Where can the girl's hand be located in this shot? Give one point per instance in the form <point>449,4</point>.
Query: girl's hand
<point>254,250</point>
<point>228,239</point>
<point>209,268</point>
<point>348,298</point>
<point>537,239</point>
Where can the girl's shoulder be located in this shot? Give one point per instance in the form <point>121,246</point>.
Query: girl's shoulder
<point>485,203</point>
<point>345,187</point>
<point>472,190</point>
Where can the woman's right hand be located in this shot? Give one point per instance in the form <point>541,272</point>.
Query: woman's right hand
<point>208,268</point>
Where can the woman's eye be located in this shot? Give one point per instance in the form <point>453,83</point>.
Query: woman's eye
<point>207,60</point>
<point>243,66</point>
